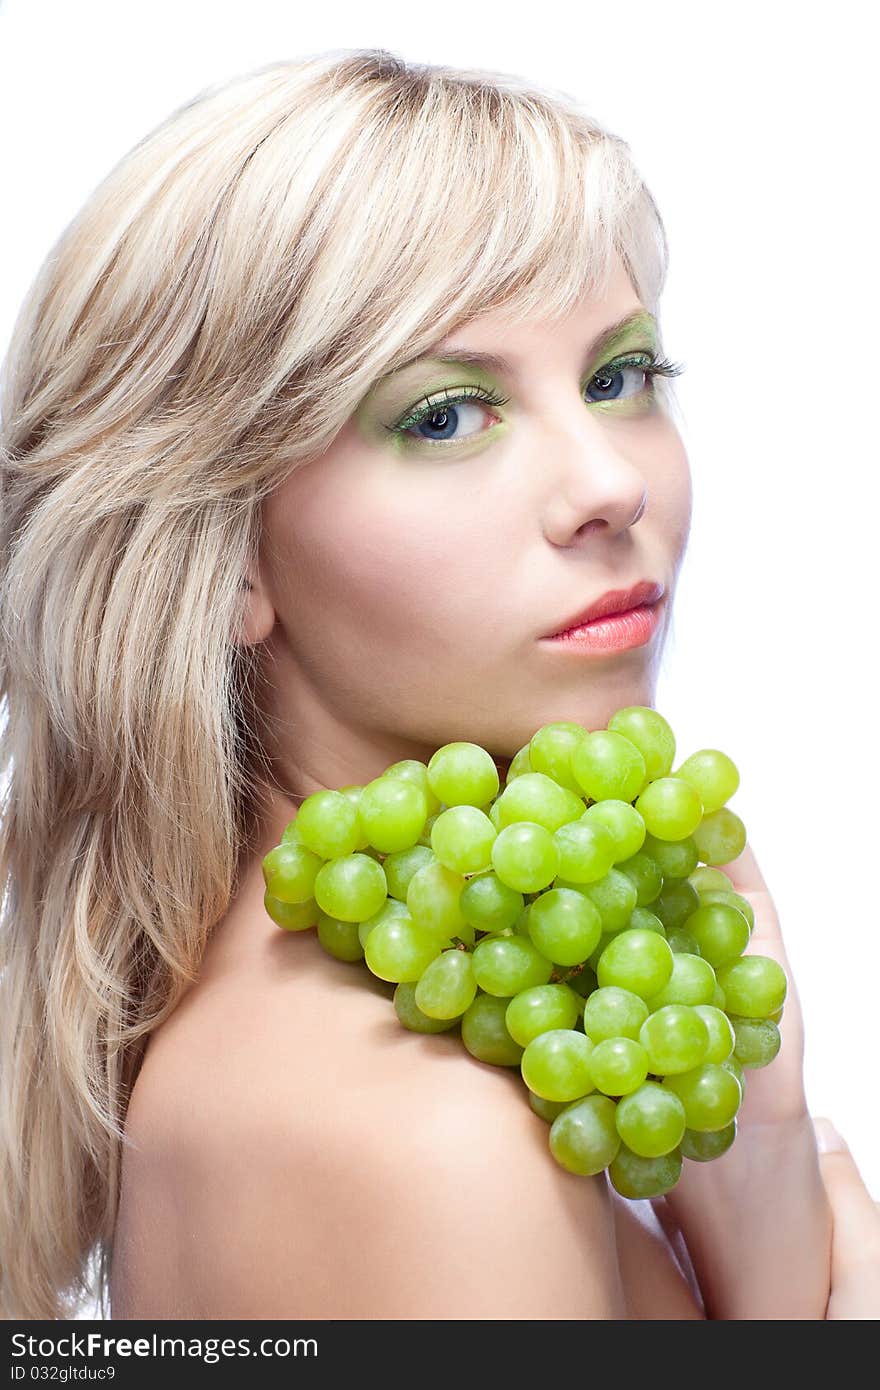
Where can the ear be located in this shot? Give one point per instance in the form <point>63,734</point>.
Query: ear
<point>258,616</point>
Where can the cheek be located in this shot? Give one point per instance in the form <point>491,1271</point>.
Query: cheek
<point>670,491</point>
<point>391,563</point>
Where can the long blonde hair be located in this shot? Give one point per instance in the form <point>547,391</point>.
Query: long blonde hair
<point>205,324</point>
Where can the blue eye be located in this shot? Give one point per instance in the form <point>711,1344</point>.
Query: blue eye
<point>441,416</point>
<point>608,381</point>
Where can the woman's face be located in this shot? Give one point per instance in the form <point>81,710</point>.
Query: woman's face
<point>407,575</point>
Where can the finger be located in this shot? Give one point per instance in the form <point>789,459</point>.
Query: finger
<point>856,1213</point>
<point>744,872</point>
<point>766,939</point>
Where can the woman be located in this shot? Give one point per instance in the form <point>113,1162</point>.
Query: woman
<point>257,540</point>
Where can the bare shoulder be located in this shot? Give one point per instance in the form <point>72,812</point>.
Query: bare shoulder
<point>300,1154</point>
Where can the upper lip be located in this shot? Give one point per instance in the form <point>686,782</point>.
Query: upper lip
<point>614,601</point>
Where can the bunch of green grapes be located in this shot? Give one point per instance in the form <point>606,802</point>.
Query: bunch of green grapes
<point>573,924</point>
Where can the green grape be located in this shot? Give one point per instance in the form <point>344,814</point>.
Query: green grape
<point>484,1032</point>
<point>593,960</point>
<point>540,1008</point>
<point>400,950</point>
<point>618,1066</point>
<point>414,771</point>
<point>640,961</point>
<point>290,870</point>
<point>718,998</point>
<point>505,965</point>
<point>675,903</point>
<point>462,839</point>
<point>643,919</point>
<point>392,812</point>
<point>411,1016</point>
<point>705,879</point>
<point>645,874</point>
<point>565,926</point>
<point>736,900</point>
<point>586,850</point>
<point>682,941</point>
<point>674,858</point>
<point>721,1035</point>
<point>675,1038</point>
<point>433,898</point>
<point>610,1012</point>
<point>721,932</point>
<point>340,939</point>
<point>447,986</point>
<point>519,763</point>
<point>390,908</point>
<point>622,820</point>
<point>758,1040</point>
<point>550,751</point>
<point>754,986</point>
<point>353,791</point>
<point>524,855</point>
<point>290,834</point>
<point>651,734</point>
<point>350,888</point>
<point>636,1177</point>
<point>424,839</point>
<point>556,1064</point>
<point>709,1094</point>
<point>583,1136</point>
<point>720,837</point>
<point>616,897</point>
<point>651,1120</point>
<point>291,916</point>
<point>401,865</point>
<point>671,809</point>
<point>488,904</point>
<point>547,1109</point>
<point>703,1145</point>
<point>463,774</point>
<point>328,824</point>
<point>521,925</point>
<point>692,982</point>
<point>734,1066</point>
<point>539,800</point>
<point>713,775</point>
<point>606,765</point>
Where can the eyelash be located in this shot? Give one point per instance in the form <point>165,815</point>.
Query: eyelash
<point>650,364</point>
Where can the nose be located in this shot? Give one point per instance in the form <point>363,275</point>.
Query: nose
<point>594,485</point>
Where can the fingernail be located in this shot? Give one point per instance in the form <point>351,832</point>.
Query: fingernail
<point>827,1138</point>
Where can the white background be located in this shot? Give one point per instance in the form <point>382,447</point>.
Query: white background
<point>753,127</point>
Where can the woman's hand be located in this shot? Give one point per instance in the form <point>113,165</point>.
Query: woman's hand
<point>855,1248</point>
<point>757,1221</point>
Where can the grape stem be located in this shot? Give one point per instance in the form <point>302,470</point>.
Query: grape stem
<point>560,976</point>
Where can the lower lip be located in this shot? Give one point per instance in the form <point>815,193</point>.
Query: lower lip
<point>615,633</point>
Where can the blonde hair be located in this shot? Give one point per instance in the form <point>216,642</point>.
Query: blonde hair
<point>205,324</point>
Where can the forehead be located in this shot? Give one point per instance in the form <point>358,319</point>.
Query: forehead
<point>517,342</point>
<point>494,340</point>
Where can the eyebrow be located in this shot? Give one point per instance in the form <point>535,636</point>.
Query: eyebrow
<point>493,362</point>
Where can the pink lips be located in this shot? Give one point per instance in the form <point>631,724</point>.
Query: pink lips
<point>647,591</point>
